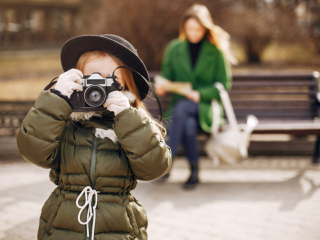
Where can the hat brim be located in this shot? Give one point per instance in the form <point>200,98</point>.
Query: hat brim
<point>75,47</point>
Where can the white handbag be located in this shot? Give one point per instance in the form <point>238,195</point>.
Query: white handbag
<point>232,144</point>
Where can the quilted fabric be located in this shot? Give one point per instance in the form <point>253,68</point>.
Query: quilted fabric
<point>78,159</point>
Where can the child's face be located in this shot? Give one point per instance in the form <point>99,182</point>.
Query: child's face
<point>105,66</point>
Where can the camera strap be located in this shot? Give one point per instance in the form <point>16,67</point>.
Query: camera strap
<point>149,84</point>
<point>51,84</point>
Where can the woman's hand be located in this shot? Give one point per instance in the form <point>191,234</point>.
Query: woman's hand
<point>69,81</point>
<point>159,90</point>
<point>116,102</point>
<point>194,96</point>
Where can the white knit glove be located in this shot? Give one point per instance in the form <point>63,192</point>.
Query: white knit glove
<point>116,102</point>
<point>69,81</point>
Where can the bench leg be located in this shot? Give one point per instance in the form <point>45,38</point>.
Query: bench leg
<point>316,159</point>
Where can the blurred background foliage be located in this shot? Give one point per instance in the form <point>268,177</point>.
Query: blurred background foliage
<point>255,26</point>
<point>265,34</point>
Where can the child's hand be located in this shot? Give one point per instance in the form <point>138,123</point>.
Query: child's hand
<point>116,102</point>
<point>69,81</point>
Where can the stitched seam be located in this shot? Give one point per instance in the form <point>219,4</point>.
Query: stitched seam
<point>112,233</point>
<point>54,213</point>
<point>43,219</point>
<point>45,225</point>
<point>116,118</point>
<point>49,115</point>
<point>29,134</point>
<point>111,177</point>
<point>70,185</point>
<point>56,193</point>
<point>134,159</point>
<point>155,173</point>
<point>63,229</point>
<point>99,201</point>
<point>130,220</point>
<point>139,129</point>
<point>106,202</point>
<point>101,193</point>
<point>108,149</point>
<point>74,174</point>
<point>88,146</point>
<point>97,177</point>
<point>75,144</point>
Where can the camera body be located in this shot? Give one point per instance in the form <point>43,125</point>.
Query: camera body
<point>95,92</point>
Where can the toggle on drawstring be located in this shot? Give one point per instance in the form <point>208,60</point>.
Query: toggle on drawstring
<point>88,193</point>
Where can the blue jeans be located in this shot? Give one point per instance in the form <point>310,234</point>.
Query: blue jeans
<point>184,129</point>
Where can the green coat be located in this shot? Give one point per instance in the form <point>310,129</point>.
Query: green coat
<point>78,159</point>
<point>210,67</point>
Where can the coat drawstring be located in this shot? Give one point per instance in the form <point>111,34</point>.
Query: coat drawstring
<point>88,193</point>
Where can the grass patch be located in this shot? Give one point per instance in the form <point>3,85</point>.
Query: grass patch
<point>26,64</point>
<point>22,90</point>
<point>24,74</point>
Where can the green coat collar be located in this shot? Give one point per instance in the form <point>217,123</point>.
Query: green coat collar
<point>205,53</point>
<point>210,67</point>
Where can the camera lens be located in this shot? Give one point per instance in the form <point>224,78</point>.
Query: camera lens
<point>95,95</point>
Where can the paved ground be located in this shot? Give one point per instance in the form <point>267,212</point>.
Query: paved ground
<point>265,198</point>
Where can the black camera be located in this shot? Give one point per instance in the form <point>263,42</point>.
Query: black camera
<point>95,92</point>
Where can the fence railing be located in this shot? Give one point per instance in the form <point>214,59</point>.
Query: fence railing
<point>26,24</point>
<point>12,115</point>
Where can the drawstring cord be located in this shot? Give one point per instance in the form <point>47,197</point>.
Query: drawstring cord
<point>88,194</point>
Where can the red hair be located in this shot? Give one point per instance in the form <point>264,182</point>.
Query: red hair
<point>128,80</point>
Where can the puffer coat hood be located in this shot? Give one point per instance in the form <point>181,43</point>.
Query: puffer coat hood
<point>78,159</point>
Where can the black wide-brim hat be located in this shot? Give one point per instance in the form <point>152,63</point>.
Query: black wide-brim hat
<point>115,45</point>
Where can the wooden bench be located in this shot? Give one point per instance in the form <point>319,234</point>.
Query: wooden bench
<point>283,103</point>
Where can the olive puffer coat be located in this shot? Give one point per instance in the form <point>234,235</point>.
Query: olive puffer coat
<point>79,159</point>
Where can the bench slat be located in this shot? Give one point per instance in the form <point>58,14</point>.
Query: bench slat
<point>268,76</point>
<point>270,93</point>
<point>303,128</point>
<point>268,84</point>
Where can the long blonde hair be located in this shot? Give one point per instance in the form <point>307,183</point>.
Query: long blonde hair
<point>128,80</point>
<point>215,34</point>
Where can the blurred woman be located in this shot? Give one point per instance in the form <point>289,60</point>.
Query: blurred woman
<point>200,56</point>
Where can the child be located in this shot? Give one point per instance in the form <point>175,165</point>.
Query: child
<point>97,158</point>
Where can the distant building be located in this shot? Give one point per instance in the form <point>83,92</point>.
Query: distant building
<point>25,23</point>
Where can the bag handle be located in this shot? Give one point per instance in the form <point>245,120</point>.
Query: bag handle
<point>227,107</point>
<point>216,116</point>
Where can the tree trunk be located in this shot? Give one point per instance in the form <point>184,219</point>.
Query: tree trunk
<point>254,47</point>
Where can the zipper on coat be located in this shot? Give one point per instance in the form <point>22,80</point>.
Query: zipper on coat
<point>92,173</point>
<point>93,161</point>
